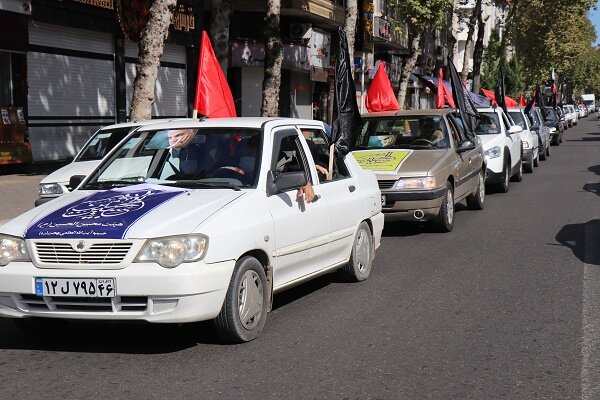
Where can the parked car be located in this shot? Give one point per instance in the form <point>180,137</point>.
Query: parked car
<point>529,139</point>
<point>192,220</point>
<point>574,114</point>
<point>561,116</point>
<point>424,162</point>
<point>555,123</point>
<point>568,116</point>
<point>502,146</point>
<point>86,160</point>
<point>537,120</point>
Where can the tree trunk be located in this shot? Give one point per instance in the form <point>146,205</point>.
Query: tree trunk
<point>150,50</point>
<point>219,29</point>
<point>273,60</point>
<point>471,28</point>
<point>408,67</point>
<point>350,28</point>
<point>478,53</point>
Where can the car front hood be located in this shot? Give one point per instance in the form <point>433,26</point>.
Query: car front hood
<point>489,141</point>
<point>397,163</point>
<point>138,211</point>
<point>62,175</point>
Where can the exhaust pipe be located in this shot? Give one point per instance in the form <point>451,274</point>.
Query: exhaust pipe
<point>418,214</point>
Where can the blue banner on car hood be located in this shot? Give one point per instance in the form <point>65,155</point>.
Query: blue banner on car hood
<point>104,215</point>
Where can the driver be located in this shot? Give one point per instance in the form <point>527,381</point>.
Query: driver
<point>428,131</point>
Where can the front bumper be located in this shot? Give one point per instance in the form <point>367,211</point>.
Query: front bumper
<point>145,291</point>
<point>402,205</point>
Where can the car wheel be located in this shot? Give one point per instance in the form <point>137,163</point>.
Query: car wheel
<point>503,185</point>
<point>536,160</point>
<point>518,176</point>
<point>542,155</point>
<point>529,165</point>
<point>244,310</point>
<point>548,150</point>
<point>560,139</point>
<point>359,266</point>
<point>444,222</point>
<point>476,200</point>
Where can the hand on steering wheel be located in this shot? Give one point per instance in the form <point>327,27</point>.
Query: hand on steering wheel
<point>429,142</point>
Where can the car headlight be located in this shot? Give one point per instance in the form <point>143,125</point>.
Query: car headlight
<point>50,188</point>
<point>426,182</point>
<point>171,251</point>
<point>12,249</point>
<point>525,144</point>
<point>494,152</point>
<point>552,130</point>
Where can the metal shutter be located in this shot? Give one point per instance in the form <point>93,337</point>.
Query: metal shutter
<point>71,88</point>
<point>252,79</point>
<point>301,95</point>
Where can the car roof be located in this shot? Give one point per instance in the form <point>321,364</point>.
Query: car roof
<point>431,111</point>
<point>131,124</point>
<point>238,122</point>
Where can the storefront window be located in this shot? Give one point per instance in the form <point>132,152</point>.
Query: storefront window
<point>5,80</point>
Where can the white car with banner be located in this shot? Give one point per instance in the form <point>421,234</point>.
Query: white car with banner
<point>529,139</point>
<point>193,220</point>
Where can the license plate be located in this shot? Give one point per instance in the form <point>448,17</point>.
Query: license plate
<point>104,287</point>
<point>383,200</point>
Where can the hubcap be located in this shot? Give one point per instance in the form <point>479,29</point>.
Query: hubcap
<point>449,207</point>
<point>363,251</point>
<point>250,299</point>
<point>481,188</point>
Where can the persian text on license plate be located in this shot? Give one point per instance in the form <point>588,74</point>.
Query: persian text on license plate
<point>104,287</point>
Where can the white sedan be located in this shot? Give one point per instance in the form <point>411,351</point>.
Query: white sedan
<point>193,220</point>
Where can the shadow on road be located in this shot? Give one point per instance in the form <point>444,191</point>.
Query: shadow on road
<point>583,240</point>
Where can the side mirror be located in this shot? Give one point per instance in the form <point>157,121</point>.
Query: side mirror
<point>285,181</point>
<point>465,146</point>
<point>515,129</point>
<point>535,127</point>
<point>75,181</point>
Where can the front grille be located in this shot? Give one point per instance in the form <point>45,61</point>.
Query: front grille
<point>386,184</point>
<point>32,302</point>
<point>98,253</point>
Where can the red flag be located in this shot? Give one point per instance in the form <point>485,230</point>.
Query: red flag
<point>510,102</point>
<point>522,101</point>
<point>440,98</point>
<point>213,96</point>
<point>380,96</point>
<point>490,95</point>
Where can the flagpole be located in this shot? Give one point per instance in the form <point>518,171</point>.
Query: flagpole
<point>330,167</point>
<point>195,114</point>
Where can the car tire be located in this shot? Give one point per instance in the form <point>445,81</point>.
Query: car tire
<point>476,200</point>
<point>444,221</point>
<point>244,311</point>
<point>560,139</point>
<point>503,185</point>
<point>530,164</point>
<point>548,150</point>
<point>536,160</point>
<point>542,155</point>
<point>518,176</point>
<point>359,266</point>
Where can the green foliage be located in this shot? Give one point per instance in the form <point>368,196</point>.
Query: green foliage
<point>490,63</point>
<point>422,15</point>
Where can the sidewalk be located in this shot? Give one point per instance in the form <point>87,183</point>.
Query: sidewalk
<point>19,189</point>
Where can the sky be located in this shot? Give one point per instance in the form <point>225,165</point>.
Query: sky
<point>595,18</point>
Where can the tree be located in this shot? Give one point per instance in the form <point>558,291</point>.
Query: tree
<point>219,29</point>
<point>151,47</point>
<point>470,31</point>
<point>350,27</point>
<point>420,16</point>
<point>273,60</point>
<point>478,53</point>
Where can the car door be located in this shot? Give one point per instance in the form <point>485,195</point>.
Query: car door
<point>468,163</point>
<point>341,196</point>
<point>301,228</point>
<point>513,141</point>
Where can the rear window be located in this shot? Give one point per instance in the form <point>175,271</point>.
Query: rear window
<point>102,142</point>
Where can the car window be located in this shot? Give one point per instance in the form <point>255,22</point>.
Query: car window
<point>456,131</point>
<point>101,143</point>
<point>418,132</point>
<point>517,117</point>
<point>489,123</point>
<point>288,155</point>
<point>318,144</point>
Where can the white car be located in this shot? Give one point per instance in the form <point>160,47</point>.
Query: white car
<point>529,139</point>
<point>87,159</point>
<point>574,114</point>
<point>193,220</point>
<point>568,116</point>
<point>502,147</point>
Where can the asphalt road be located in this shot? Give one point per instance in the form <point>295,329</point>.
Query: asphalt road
<point>507,306</point>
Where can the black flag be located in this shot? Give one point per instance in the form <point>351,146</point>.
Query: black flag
<point>500,92</point>
<point>539,99</point>
<point>346,117</point>
<point>463,101</point>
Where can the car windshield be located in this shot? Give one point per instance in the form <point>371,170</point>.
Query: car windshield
<point>419,132</point>
<point>517,117</point>
<point>551,114</point>
<point>192,158</point>
<point>489,124</point>
<point>101,143</point>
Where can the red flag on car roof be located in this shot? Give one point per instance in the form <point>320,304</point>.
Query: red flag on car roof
<point>380,96</point>
<point>522,101</point>
<point>510,102</point>
<point>443,94</point>
<point>213,96</point>
<point>491,95</point>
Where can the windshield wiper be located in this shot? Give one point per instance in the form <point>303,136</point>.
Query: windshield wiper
<point>111,183</point>
<point>200,184</point>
